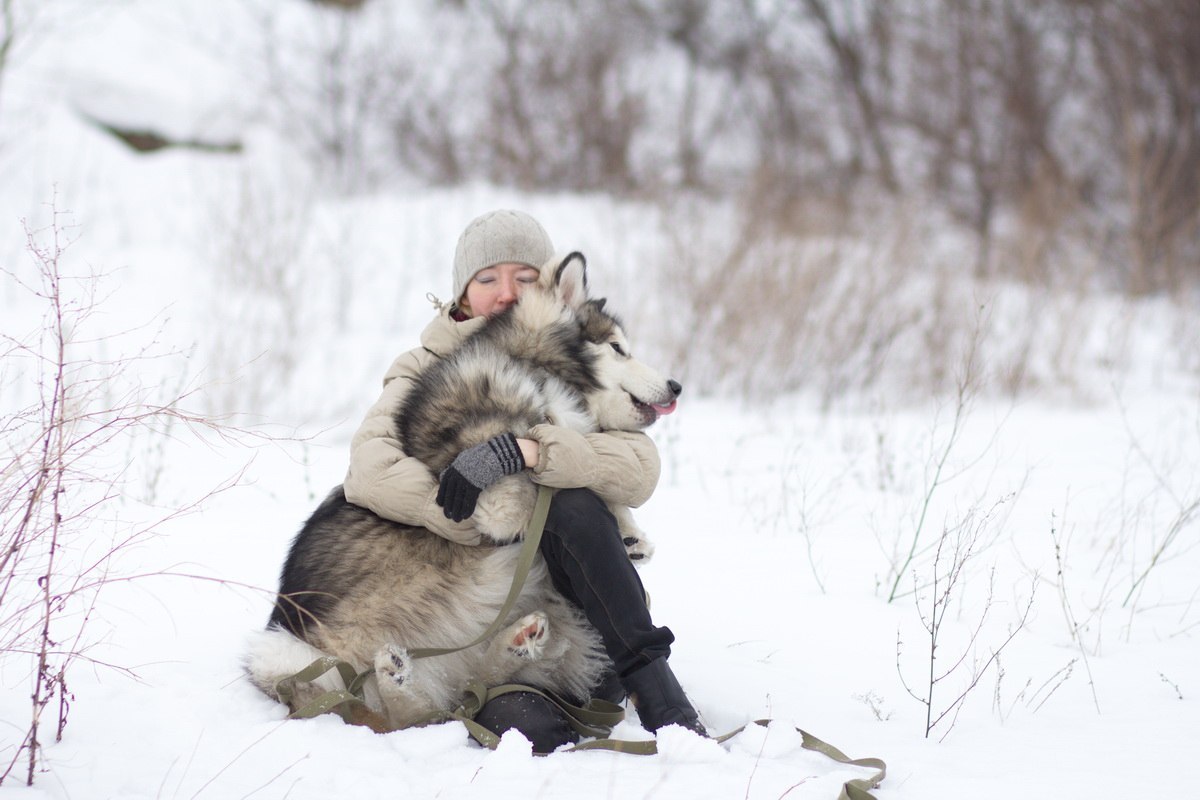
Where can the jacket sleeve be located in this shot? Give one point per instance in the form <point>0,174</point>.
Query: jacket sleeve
<point>388,481</point>
<point>622,468</point>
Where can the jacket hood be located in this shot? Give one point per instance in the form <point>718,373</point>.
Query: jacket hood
<point>443,334</point>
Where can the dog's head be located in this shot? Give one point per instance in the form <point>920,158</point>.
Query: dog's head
<point>627,394</point>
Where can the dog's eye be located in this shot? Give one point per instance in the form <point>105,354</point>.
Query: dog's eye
<point>620,350</point>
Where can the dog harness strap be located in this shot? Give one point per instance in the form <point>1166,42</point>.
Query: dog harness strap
<point>529,552</point>
<point>348,703</point>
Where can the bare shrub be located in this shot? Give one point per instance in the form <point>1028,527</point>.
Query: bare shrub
<point>957,549</point>
<point>937,475</point>
<point>909,549</point>
<point>1143,539</point>
<point>1174,686</point>
<point>1172,480</point>
<point>1075,627</point>
<point>1035,699</point>
<point>67,513</point>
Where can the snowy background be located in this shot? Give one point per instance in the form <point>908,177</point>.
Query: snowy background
<point>783,522</point>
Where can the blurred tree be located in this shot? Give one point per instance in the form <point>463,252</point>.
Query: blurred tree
<point>8,35</point>
<point>860,42</point>
<point>1146,57</point>
<point>987,81</point>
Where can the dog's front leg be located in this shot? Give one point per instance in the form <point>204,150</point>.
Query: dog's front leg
<point>504,508</point>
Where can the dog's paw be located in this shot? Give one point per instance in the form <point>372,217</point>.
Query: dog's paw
<point>393,663</point>
<point>528,637</point>
<point>637,547</point>
<point>504,508</point>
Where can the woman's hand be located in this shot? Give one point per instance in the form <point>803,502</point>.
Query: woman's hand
<point>475,469</point>
<point>530,450</point>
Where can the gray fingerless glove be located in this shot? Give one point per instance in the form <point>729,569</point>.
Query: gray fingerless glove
<point>474,470</point>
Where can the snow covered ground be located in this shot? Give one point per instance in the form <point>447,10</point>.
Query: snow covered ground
<point>780,528</point>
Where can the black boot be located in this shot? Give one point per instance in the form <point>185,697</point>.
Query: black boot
<point>659,699</point>
<point>538,720</point>
<point>610,689</point>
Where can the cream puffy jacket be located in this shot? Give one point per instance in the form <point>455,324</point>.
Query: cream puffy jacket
<point>622,468</point>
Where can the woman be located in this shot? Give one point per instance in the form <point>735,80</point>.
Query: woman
<point>497,257</point>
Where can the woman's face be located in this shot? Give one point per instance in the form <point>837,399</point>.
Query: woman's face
<point>496,288</point>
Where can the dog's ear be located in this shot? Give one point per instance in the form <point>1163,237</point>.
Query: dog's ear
<point>570,279</point>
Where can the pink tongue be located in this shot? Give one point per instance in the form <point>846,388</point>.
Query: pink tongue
<point>664,410</point>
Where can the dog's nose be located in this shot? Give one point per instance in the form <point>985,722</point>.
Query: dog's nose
<point>674,386</point>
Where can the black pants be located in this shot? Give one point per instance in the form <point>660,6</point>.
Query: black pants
<point>589,566</point>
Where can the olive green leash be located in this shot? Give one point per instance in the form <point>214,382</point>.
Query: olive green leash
<point>529,554</point>
<point>594,720</point>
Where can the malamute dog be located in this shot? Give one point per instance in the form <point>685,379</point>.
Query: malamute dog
<point>367,590</point>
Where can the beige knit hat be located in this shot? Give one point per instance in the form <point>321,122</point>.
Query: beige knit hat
<point>499,237</point>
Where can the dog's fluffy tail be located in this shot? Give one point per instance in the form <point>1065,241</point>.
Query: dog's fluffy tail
<point>274,654</point>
